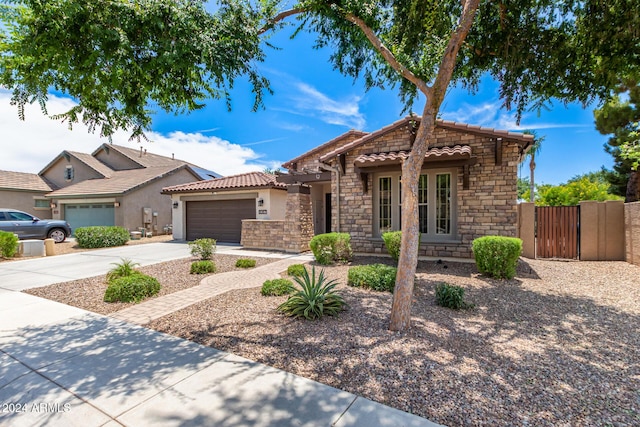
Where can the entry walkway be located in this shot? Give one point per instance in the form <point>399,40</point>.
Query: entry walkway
<point>213,285</point>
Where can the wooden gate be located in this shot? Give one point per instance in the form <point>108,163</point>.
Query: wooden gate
<point>557,231</point>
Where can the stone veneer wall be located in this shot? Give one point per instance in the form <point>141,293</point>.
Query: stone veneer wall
<point>291,235</point>
<point>632,232</point>
<point>488,207</point>
<point>263,234</point>
<point>298,226</point>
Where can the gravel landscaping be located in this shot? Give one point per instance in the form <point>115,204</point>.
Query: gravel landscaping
<point>173,276</point>
<point>556,346</point>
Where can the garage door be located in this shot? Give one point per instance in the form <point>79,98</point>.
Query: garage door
<point>85,215</point>
<point>220,219</point>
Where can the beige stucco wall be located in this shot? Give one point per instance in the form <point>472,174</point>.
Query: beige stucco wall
<point>130,213</point>
<point>116,160</point>
<point>24,201</point>
<point>274,205</point>
<point>602,233</point>
<point>527,229</point>
<point>632,232</point>
<point>81,172</point>
<point>488,207</point>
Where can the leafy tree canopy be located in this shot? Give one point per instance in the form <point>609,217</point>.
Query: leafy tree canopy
<point>590,186</point>
<point>121,59</point>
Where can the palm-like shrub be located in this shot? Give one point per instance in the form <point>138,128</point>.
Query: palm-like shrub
<point>124,268</point>
<point>316,299</point>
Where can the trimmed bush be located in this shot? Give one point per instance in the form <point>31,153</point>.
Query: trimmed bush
<point>316,299</point>
<point>296,270</point>
<point>245,263</point>
<point>133,288</point>
<point>392,242</point>
<point>277,287</point>
<point>124,268</point>
<point>497,256</point>
<point>203,267</point>
<point>101,236</point>
<point>451,296</point>
<point>378,277</point>
<point>8,244</point>
<point>331,247</point>
<point>203,248</point>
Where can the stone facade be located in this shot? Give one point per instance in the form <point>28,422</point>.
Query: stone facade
<point>632,229</point>
<point>487,207</point>
<point>291,235</point>
<point>263,234</point>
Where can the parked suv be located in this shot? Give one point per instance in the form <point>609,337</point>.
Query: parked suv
<point>30,227</point>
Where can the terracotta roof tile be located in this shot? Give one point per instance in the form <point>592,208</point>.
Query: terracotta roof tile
<point>23,181</point>
<point>242,181</point>
<point>458,151</point>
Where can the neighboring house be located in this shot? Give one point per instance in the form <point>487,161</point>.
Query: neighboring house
<point>114,185</point>
<point>351,184</point>
<point>25,192</point>
<point>216,208</point>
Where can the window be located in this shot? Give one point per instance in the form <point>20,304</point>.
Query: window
<point>436,204</point>
<point>42,203</point>
<point>68,173</point>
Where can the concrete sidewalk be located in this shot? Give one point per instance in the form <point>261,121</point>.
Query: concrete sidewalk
<point>63,366</point>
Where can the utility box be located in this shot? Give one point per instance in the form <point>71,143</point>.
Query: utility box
<point>146,216</point>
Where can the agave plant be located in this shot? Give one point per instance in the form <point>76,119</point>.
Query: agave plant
<point>316,298</point>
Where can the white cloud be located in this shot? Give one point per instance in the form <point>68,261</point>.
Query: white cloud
<point>28,146</point>
<point>344,112</point>
<point>490,114</point>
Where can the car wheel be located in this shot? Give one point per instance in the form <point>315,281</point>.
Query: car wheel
<point>57,234</point>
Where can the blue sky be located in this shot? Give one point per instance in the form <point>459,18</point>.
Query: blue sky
<point>312,104</point>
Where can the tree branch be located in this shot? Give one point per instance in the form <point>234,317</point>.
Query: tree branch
<point>469,8</point>
<point>388,55</point>
<point>280,17</point>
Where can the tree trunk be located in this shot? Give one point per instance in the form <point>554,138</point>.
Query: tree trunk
<point>408,261</point>
<point>633,187</point>
<point>532,188</point>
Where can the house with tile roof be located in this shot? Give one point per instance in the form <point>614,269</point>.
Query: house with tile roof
<point>218,208</point>
<point>468,188</point>
<point>114,185</point>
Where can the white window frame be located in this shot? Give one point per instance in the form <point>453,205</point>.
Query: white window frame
<point>432,235</point>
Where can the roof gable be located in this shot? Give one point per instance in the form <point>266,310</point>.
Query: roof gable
<point>84,158</point>
<point>346,137</point>
<point>519,138</point>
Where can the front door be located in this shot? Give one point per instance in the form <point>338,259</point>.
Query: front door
<point>327,215</point>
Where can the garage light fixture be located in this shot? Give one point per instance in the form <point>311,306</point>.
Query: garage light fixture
<point>53,205</point>
<point>116,204</point>
<point>175,205</point>
<point>260,201</point>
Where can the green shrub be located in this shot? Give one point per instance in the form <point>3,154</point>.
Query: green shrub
<point>331,247</point>
<point>296,270</point>
<point>497,256</point>
<point>101,236</point>
<point>8,244</point>
<point>277,287</point>
<point>203,266</point>
<point>133,288</point>
<point>392,242</point>
<point>378,277</point>
<point>451,296</point>
<point>316,299</point>
<point>245,263</point>
<point>124,268</point>
<point>203,248</point>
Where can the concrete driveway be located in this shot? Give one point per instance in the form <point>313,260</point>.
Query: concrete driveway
<point>36,272</point>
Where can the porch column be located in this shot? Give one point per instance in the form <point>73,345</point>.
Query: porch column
<point>298,221</point>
